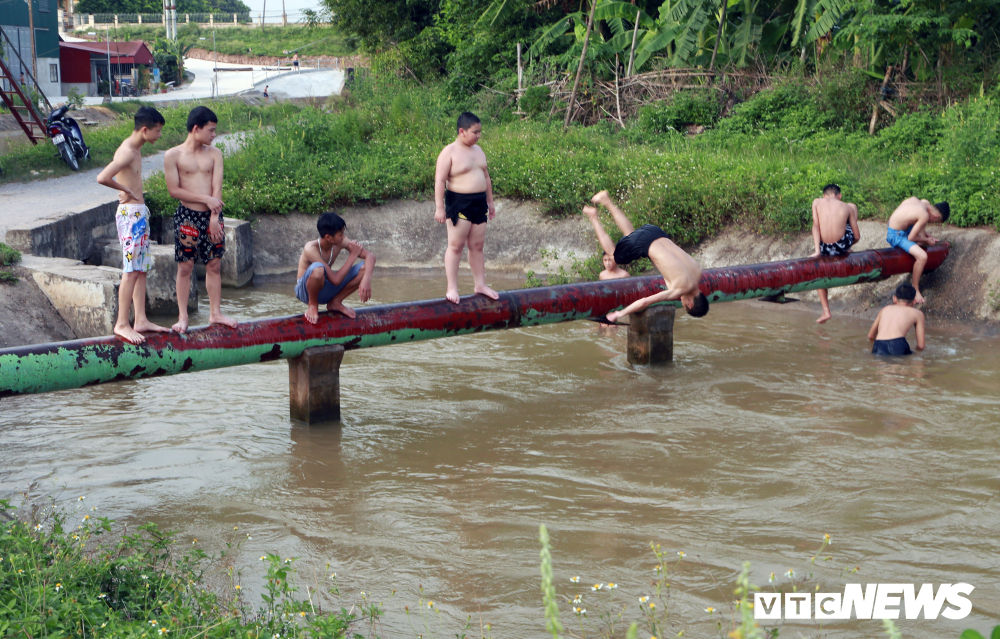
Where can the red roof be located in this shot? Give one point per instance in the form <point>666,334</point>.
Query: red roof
<point>136,51</point>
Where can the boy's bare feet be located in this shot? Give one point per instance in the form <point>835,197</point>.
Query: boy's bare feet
<point>180,326</point>
<point>601,198</point>
<point>340,308</point>
<point>824,317</point>
<point>149,327</point>
<point>487,291</point>
<point>219,318</point>
<point>129,334</point>
<point>312,314</point>
<point>452,295</point>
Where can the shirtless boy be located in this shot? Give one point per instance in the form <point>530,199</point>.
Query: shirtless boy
<point>194,176</point>
<point>611,270</point>
<point>132,220</point>
<point>463,193</point>
<point>680,271</point>
<point>835,230</point>
<point>906,231</point>
<point>318,283</point>
<point>893,323</point>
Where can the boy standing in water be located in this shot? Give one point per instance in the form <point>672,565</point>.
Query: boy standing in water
<point>611,270</point>
<point>906,231</point>
<point>193,171</point>
<point>463,193</point>
<point>680,271</point>
<point>835,230</point>
<point>893,322</point>
<point>132,220</point>
<point>319,284</point>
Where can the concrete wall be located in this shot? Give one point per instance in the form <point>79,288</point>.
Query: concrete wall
<point>76,236</point>
<point>45,82</point>
<point>403,234</point>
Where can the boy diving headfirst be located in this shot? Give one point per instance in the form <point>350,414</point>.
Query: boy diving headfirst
<point>906,231</point>
<point>680,271</point>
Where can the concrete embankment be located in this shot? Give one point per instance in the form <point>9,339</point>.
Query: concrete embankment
<point>65,251</point>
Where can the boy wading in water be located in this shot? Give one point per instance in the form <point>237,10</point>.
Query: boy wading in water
<point>132,221</point>
<point>611,270</point>
<point>835,230</point>
<point>193,171</point>
<point>463,193</point>
<point>893,322</point>
<point>319,284</point>
<point>906,231</point>
<point>680,271</point>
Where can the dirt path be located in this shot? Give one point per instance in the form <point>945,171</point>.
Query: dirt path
<point>25,202</point>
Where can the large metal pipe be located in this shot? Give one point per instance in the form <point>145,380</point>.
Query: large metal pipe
<point>49,367</point>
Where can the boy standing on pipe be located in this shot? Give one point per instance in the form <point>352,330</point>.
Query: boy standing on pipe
<point>319,284</point>
<point>906,231</point>
<point>680,271</point>
<point>132,222</point>
<point>463,193</point>
<point>193,171</point>
<point>835,230</point>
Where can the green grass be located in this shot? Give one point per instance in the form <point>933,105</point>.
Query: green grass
<point>234,115</point>
<point>761,167</point>
<point>243,40</point>
<point>8,257</point>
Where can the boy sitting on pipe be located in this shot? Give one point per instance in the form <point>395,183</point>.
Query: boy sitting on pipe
<point>680,271</point>
<point>318,283</point>
<point>835,230</point>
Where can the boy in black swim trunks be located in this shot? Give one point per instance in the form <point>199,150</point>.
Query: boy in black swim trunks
<point>193,171</point>
<point>893,322</point>
<point>680,271</point>
<point>835,230</point>
<point>463,194</point>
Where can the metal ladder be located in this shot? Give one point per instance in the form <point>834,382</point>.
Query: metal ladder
<point>20,106</point>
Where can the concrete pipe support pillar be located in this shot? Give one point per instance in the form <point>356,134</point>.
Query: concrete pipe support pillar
<point>651,336</point>
<point>314,384</point>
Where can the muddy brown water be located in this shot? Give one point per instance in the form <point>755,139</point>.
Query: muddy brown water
<point>766,433</point>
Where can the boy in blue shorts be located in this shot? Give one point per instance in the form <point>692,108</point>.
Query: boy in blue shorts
<point>906,231</point>
<point>318,283</point>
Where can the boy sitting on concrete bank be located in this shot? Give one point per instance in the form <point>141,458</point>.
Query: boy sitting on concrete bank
<point>893,323</point>
<point>318,283</point>
<point>132,220</point>
<point>835,230</point>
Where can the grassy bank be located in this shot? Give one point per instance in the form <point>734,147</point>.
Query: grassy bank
<point>761,167</point>
<point>234,115</point>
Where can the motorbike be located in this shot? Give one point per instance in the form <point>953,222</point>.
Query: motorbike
<point>67,137</point>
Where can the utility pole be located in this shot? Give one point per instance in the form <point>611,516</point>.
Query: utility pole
<point>31,27</point>
<point>216,52</point>
<point>284,16</point>
<point>111,82</point>
<point>263,16</point>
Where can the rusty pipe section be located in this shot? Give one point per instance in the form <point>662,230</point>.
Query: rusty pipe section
<point>43,368</point>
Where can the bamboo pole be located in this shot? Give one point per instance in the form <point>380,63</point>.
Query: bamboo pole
<point>885,81</point>
<point>579,69</point>
<point>718,36</point>
<point>631,54</point>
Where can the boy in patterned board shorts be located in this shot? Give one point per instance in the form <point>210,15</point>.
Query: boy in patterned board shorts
<point>132,221</point>
<point>193,171</point>
<point>835,230</point>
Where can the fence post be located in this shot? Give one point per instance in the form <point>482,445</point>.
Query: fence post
<point>116,21</point>
<point>187,18</point>
<point>90,20</point>
<point>211,19</point>
<point>140,17</point>
<point>234,19</point>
